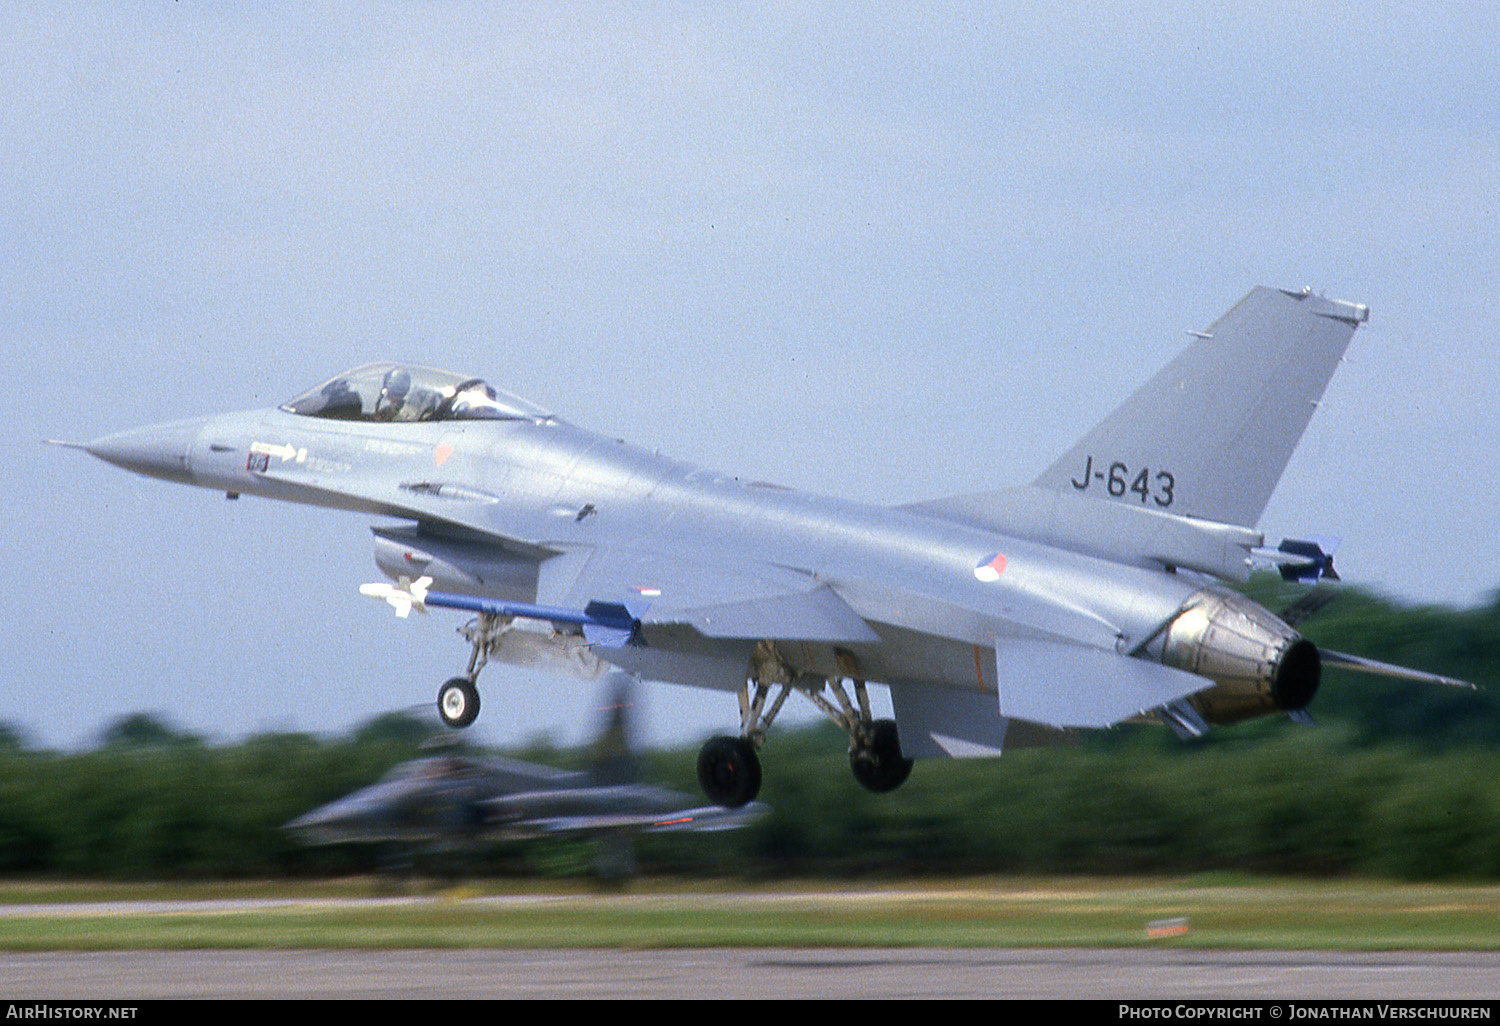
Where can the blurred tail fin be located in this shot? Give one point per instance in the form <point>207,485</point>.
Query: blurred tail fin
<point>611,757</point>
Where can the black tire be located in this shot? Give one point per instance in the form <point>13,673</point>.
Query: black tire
<point>881,767</point>
<point>729,771</point>
<point>458,702</point>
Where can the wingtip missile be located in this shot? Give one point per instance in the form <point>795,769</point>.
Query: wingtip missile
<point>1299,560</point>
<point>403,596</point>
<point>1319,560</point>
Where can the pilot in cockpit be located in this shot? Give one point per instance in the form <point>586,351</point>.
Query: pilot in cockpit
<point>407,393</point>
<point>391,403</point>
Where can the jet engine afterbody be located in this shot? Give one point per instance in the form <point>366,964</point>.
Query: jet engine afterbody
<point>1259,664</point>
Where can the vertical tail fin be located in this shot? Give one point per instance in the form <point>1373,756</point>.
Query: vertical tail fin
<point>611,756</point>
<point>1210,435</point>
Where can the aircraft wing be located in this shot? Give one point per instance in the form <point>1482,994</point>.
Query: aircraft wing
<point>748,601</point>
<point>703,819</point>
<point>708,819</point>
<point>507,775</point>
<point>744,600</point>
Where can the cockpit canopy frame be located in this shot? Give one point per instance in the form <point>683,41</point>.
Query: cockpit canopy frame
<point>398,393</point>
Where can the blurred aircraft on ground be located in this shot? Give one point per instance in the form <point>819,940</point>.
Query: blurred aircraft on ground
<point>449,802</point>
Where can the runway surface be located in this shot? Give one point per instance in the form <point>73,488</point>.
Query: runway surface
<point>1145,973</point>
<point>774,973</point>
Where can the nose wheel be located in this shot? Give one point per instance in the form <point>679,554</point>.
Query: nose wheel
<point>458,698</point>
<point>458,702</point>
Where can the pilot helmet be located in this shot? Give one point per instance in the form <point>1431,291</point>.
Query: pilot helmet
<point>395,385</point>
<point>393,389</point>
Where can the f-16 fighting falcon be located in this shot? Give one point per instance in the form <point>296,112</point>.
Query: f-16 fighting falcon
<point>1097,594</point>
<point>450,801</point>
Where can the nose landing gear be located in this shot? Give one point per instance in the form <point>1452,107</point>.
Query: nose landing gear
<point>458,698</point>
<point>458,702</point>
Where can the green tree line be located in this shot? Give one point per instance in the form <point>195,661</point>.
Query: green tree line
<point>1396,780</point>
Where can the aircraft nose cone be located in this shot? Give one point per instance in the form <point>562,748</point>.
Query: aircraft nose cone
<point>329,824</point>
<point>157,451</point>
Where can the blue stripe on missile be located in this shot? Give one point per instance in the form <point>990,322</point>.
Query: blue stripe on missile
<point>604,623</point>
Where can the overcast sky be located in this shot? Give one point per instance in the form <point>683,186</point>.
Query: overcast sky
<point>891,252</point>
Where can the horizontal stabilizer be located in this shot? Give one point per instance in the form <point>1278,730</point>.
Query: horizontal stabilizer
<point>1062,685</point>
<point>1359,664</point>
<point>1306,606</point>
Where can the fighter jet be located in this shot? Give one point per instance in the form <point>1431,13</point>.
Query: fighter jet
<point>448,801</point>
<point>1098,594</point>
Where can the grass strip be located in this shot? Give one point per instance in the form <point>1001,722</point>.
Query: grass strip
<point>1245,914</point>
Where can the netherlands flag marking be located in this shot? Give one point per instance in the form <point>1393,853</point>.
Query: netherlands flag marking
<point>991,568</point>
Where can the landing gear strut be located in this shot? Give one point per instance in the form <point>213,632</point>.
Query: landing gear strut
<point>458,698</point>
<point>728,767</point>
<point>874,749</point>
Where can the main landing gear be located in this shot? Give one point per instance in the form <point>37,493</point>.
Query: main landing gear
<point>729,769</point>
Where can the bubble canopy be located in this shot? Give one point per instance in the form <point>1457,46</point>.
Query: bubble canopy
<point>407,393</point>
